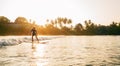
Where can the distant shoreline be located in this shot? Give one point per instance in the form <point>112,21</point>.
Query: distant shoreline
<point>61,35</point>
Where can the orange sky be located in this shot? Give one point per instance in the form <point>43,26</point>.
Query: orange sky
<point>99,11</point>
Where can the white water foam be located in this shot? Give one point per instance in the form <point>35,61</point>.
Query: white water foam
<point>9,41</point>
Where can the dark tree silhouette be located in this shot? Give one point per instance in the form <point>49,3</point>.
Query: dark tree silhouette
<point>78,28</point>
<point>21,20</point>
<point>58,26</point>
<point>4,20</point>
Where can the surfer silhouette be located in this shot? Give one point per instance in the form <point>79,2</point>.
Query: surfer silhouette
<point>34,33</point>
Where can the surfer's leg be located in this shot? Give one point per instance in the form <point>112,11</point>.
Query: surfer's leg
<point>32,38</point>
<point>37,38</point>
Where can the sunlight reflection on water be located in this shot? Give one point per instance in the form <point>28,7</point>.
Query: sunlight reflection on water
<point>65,51</point>
<point>39,50</point>
<point>38,53</point>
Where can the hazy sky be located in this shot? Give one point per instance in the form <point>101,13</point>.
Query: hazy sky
<point>99,11</point>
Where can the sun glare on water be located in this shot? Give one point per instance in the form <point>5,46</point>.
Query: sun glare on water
<point>38,55</point>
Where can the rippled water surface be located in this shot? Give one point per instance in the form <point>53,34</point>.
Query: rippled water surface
<point>63,51</point>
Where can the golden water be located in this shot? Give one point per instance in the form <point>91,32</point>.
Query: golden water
<point>64,51</point>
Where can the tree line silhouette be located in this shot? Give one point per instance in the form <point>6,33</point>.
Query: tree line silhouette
<point>58,26</point>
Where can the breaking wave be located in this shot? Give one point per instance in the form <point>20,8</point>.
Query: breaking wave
<point>9,41</point>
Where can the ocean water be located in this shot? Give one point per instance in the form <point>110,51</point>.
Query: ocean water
<point>60,51</point>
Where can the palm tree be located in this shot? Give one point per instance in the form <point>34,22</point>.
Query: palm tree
<point>55,23</point>
<point>59,22</point>
<point>52,22</point>
<point>69,21</point>
<point>65,21</point>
